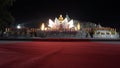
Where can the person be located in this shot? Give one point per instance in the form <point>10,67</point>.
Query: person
<point>91,33</point>
<point>87,35</point>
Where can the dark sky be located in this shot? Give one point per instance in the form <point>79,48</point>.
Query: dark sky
<point>105,12</point>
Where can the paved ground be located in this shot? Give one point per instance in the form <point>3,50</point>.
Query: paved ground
<point>59,54</point>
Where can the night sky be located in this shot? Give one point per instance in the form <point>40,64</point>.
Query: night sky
<point>104,12</point>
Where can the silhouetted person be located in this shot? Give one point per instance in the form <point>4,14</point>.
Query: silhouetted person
<point>91,33</point>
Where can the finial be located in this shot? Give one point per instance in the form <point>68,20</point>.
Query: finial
<point>61,18</point>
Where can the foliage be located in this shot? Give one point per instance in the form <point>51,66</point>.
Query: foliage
<point>5,17</point>
<point>4,3</point>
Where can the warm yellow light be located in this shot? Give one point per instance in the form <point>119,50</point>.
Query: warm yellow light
<point>78,26</point>
<point>42,26</point>
<point>60,18</point>
<point>45,29</point>
<point>75,28</point>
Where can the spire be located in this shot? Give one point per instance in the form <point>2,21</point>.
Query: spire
<point>99,26</point>
<point>67,16</point>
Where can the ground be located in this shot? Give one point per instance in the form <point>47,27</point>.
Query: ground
<point>46,54</point>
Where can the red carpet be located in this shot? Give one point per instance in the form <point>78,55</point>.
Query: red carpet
<point>59,55</point>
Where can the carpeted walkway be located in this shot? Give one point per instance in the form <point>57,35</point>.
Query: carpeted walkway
<point>59,55</point>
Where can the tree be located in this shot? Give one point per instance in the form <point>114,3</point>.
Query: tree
<point>5,16</point>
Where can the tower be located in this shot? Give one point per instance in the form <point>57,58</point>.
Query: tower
<point>67,17</point>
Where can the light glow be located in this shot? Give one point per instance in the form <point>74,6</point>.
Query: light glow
<point>51,23</point>
<point>60,24</point>
<point>71,24</point>
<point>42,26</point>
<point>78,26</point>
<point>56,24</point>
<point>18,27</point>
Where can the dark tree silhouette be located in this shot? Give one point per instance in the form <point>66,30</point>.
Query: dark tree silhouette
<point>5,16</point>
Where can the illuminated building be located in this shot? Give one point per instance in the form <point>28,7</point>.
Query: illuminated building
<point>61,24</point>
<point>108,33</point>
<point>66,28</point>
